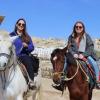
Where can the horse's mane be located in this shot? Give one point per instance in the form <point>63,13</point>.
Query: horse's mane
<point>70,59</point>
<point>55,51</point>
<point>4,35</point>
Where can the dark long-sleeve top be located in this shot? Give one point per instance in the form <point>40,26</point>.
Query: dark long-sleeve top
<point>89,46</point>
<point>20,50</point>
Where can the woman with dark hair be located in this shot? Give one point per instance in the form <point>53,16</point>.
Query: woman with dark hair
<point>23,47</point>
<point>82,47</point>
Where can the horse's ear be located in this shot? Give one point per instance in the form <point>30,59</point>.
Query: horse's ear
<point>13,38</point>
<point>65,49</point>
<point>1,19</point>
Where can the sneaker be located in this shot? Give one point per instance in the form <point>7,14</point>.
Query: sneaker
<point>31,85</point>
<point>97,84</point>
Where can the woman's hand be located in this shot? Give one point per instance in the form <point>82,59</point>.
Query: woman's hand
<point>81,56</point>
<point>25,44</point>
<point>75,55</point>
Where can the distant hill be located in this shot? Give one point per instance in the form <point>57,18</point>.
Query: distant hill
<point>50,42</point>
<point>54,42</point>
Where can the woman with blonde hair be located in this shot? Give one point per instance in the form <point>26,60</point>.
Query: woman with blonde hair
<point>82,47</point>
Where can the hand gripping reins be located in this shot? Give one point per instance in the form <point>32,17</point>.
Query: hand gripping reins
<point>78,66</point>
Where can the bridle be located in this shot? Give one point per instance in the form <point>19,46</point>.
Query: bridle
<point>56,72</point>
<point>78,66</point>
<point>4,71</point>
<point>73,76</point>
<point>5,55</point>
<point>10,59</point>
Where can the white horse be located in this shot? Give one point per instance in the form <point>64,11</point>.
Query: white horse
<point>13,85</point>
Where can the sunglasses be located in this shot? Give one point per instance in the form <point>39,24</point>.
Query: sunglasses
<point>21,24</point>
<point>78,27</point>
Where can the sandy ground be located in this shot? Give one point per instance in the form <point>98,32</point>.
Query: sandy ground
<point>49,93</point>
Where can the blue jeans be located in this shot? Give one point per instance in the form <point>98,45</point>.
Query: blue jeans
<point>94,66</point>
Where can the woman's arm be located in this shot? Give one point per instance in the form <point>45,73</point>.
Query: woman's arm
<point>73,49</point>
<point>30,47</point>
<point>89,46</point>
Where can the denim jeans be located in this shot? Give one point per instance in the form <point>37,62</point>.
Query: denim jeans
<point>28,62</point>
<point>94,66</point>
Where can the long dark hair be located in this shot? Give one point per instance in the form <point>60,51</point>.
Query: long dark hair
<point>25,36</point>
<point>74,31</point>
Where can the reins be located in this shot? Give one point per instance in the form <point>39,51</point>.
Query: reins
<point>72,77</point>
<point>7,67</point>
<point>78,66</point>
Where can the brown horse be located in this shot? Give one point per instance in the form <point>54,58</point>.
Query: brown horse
<point>76,81</point>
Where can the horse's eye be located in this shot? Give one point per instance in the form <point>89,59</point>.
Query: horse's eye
<point>9,48</point>
<point>62,61</point>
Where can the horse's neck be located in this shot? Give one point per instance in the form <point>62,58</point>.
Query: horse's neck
<point>15,83</point>
<point>3,77</point>
<point>3,83</point>
<point>14,57</point>
<point>12,66</point>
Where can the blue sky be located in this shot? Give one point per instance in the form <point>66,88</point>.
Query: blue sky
<point>52,18</point>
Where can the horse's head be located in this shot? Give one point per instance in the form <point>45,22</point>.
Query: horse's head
<point>6,51</point>
<point>57,60</point>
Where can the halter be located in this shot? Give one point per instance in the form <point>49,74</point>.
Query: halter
<point>72,77</point>
<point>59,73</point>
<point>5,55</point>
<point>10,61</point>
<point>78,66</point>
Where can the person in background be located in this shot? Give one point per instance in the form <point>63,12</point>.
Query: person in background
<point>82,47</point>
<point>23,47</point>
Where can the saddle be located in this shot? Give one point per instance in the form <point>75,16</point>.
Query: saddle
<point>29,82</point>
<point>88,69</point>
<point>24,71</point>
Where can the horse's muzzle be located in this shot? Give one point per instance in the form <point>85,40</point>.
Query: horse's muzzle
<point>56,78</point>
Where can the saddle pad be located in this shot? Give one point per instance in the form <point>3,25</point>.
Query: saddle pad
<point>92,76</point>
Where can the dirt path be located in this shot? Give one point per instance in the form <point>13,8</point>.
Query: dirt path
<point>49,93</point>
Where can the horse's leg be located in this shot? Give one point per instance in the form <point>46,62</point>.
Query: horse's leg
<point>85,97</point>
<point>91,91</point>
<point>90,95</point>
<point>80,97</point>
<point>73,98</point>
